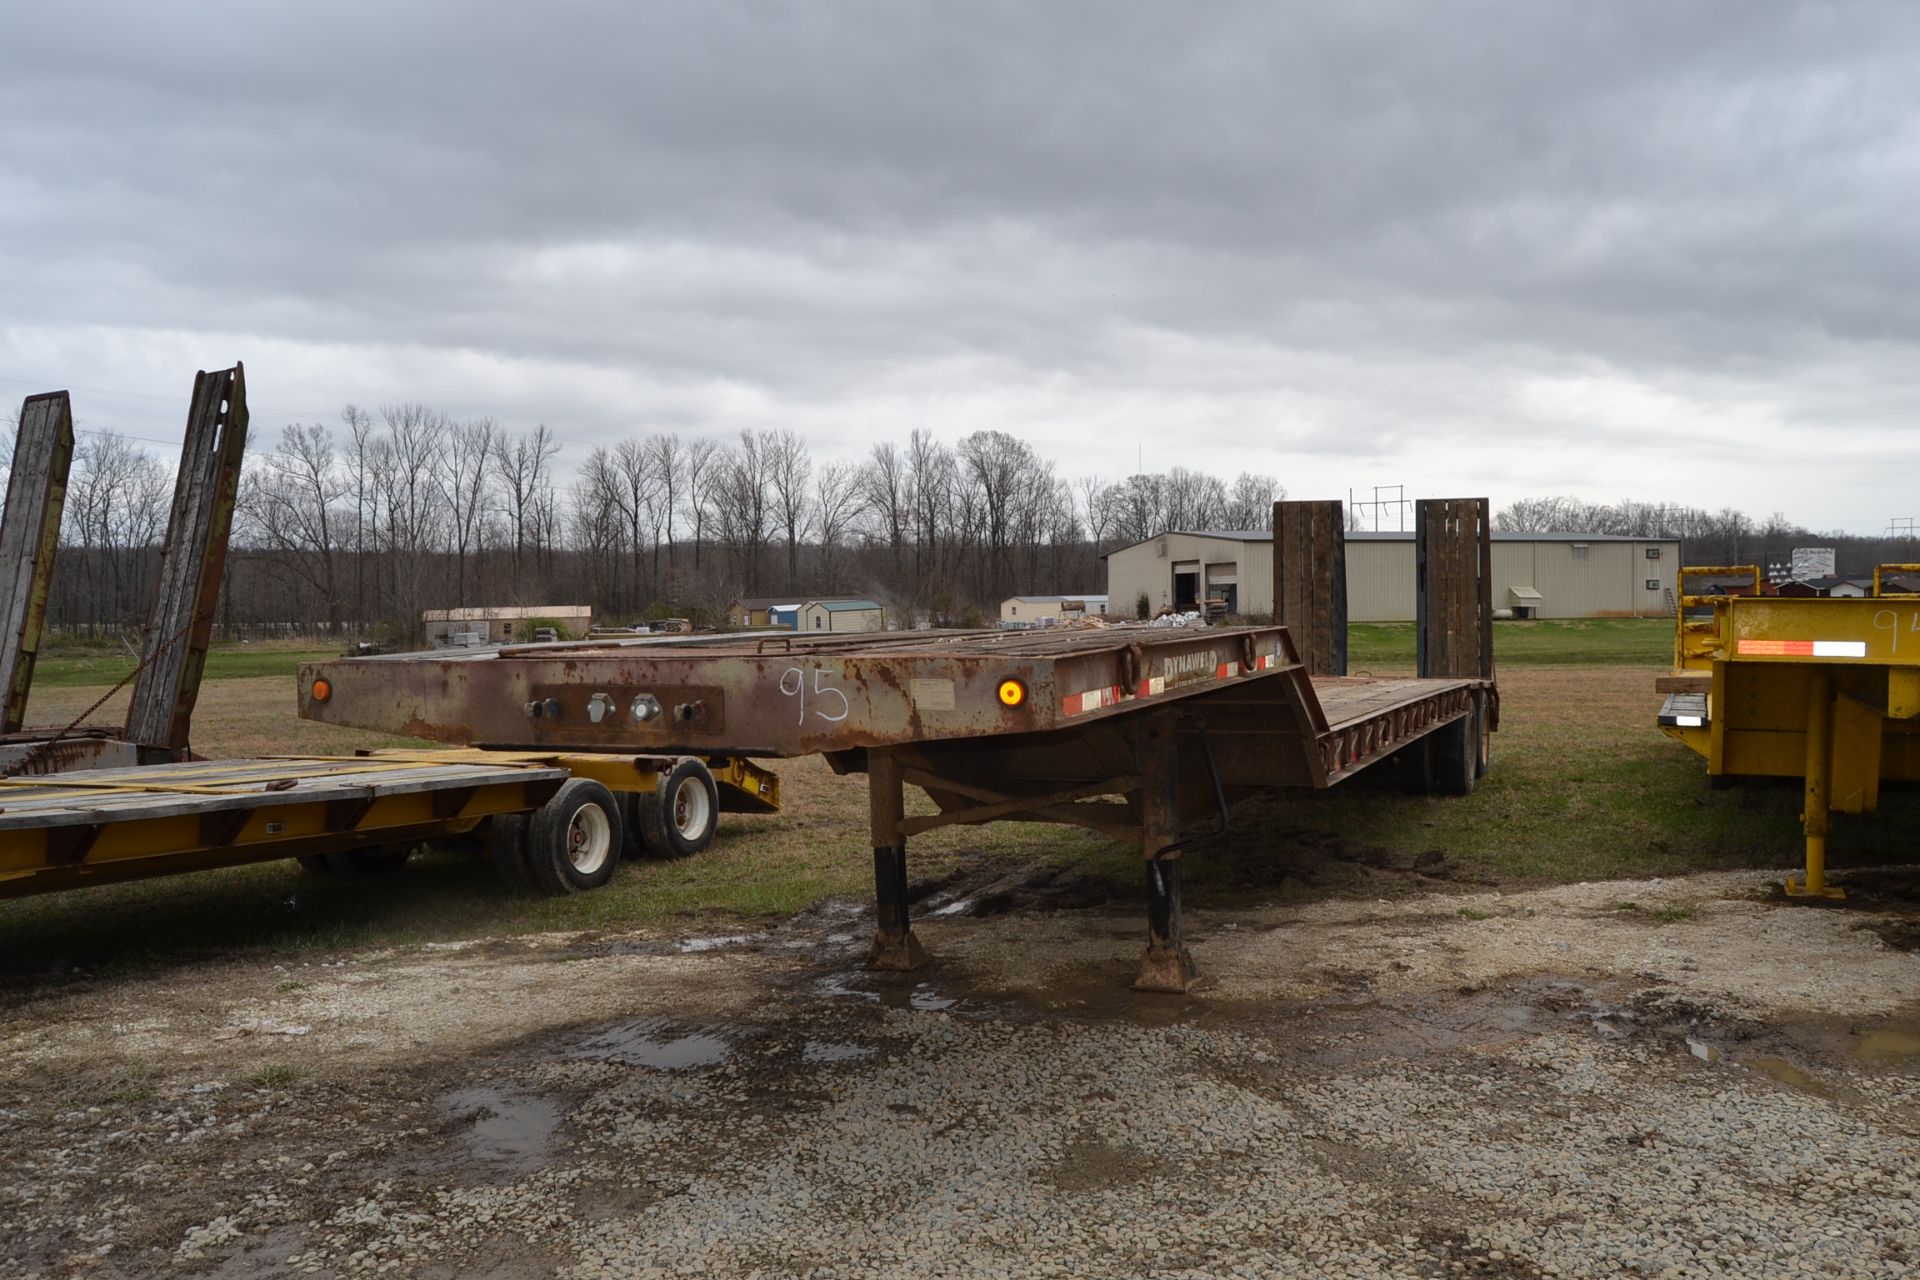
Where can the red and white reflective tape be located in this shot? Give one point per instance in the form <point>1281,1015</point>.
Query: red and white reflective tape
<point>1078,704</point>
<point>1803,648</point>
<point>1075,704</point>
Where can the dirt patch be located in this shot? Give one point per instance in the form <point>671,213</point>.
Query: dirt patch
<point>1525,1086</point>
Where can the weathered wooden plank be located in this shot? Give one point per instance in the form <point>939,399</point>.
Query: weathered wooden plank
<point>1310,582</point>
<point>174,648</point>
<point>1453,587</point>
<point>29,538</point>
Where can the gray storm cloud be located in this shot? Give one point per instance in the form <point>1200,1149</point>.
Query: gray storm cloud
<point>1644,250</point>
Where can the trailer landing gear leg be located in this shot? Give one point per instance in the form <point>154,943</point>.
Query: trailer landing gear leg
<point>1813,818</point>
<point>894,946</point>
<point>1165,965</point>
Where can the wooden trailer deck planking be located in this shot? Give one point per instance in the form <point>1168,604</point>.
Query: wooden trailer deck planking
<point>1148,734</point>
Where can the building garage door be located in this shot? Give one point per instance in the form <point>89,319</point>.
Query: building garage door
<point>1223,583</point>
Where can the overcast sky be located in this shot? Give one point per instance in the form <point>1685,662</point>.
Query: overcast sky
<point>1652,250</point>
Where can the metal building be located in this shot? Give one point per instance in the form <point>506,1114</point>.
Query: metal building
<point>841,615</point>
<point>757,611</point>
<point>1018,612</point>
<point>500,624</point>
<point>1541,575</point>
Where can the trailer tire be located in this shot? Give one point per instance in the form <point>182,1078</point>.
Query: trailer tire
<point>315,864</point>
<point>573,841</point>
<point>677,819</point>
<point>507,851</point>
<point>1455,756</point>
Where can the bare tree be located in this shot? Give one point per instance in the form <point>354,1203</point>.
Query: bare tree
<point>404,464</point>
<point>743,506</point>
<point>464,474</point>
<point>294,500</point>
<point>886,492</point>
<point>638,493</point>
<point>667,462</point>
<point>837,504</point>
<point>699,472</point>
<point>932,481</point>
<point>360,429</point>
<point>116,508</point>
<point>520,464</point>
<point>788,469</point>
<point>1250,501</point>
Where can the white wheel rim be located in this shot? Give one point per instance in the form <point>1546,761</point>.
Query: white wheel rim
<point>692,809</point>
<point>589,839</point>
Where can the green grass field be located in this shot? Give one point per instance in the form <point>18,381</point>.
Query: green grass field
<point>71,667</point>
<point>1569,642</point>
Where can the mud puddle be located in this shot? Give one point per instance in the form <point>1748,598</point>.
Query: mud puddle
<point>1785,1072</point>
<point>661,1044</point>
<point>1806,1052</point>
<point>1888,1044</point>
<point>508,1129</point>
<point>893,992</point>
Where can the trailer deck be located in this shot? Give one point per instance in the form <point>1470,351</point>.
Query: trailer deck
<point>98,826</point>
<point>780,695</point>
<point>1147,734</point>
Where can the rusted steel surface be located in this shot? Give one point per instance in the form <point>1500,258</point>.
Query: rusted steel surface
<point>29,536</point>
<point>1267,722</point>
<point>780,696</point>
<point>1387,715</point>
<point>34,752</point>
<point>174,649</point>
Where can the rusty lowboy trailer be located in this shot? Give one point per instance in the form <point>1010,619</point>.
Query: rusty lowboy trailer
<point>1144,734</point>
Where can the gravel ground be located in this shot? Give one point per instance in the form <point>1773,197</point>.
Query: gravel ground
<point>1549,1083</point>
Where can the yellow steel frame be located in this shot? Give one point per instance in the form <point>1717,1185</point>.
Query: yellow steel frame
<point>1823,689</point>
<point>744,785</point>
<point>120,841</point>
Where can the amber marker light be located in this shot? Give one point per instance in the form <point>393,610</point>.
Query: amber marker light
<point>322,690</point>
<point>1012,693</point>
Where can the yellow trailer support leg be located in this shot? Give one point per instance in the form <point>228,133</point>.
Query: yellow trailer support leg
<point>1813,818</point>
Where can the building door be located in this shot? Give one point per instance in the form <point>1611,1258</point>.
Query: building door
<point>1223,584</point>
<point>1186,586</point>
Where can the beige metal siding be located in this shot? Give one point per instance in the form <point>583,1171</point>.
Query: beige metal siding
<point>1610,582</point>
<point>856,620</point>
<point>1148,568</point>
<point>1380,581</point>
<point>816,618</point>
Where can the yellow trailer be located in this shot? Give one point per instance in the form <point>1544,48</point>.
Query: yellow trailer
<point>1826,690</point>
<point>554,822</point>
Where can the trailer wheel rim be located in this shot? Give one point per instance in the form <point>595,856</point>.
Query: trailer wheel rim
<point>692,809</point>
<point>589,839</point>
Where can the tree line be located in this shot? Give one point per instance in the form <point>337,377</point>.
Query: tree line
<point>357,527</point>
